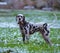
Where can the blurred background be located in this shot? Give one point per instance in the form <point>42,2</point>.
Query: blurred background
<point>30,4</point>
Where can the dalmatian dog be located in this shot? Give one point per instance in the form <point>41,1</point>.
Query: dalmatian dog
<point>28,28</point>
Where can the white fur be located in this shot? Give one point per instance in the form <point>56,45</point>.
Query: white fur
<point>20,14</point>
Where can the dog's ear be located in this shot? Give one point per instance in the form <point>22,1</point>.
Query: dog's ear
<point>23,16</point>
<point>45,25</point>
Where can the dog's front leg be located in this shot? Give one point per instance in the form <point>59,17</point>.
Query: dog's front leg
<point>27,34</point>
<point>23,36</point>
<point>27,38</point>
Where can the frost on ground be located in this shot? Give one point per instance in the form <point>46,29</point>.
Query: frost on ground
<point>23,50</point>
<point>11,21</point>
<point>6,24</point>
<point>11,25</point>
<point>13,50</point>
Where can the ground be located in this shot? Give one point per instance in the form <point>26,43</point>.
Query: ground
<point>11,39</point>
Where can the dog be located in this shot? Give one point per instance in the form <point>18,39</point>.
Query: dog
<point>28,28</point>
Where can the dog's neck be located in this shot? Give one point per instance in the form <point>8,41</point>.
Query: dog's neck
<point>23,24</point>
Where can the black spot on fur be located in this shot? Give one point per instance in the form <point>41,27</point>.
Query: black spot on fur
<point>47,34</point>
<point>25,30</point>
<point>47,31</point>
<point>36,26</point>
<point>30,27</point>
<point>45,25</point>
<point>33,27</point>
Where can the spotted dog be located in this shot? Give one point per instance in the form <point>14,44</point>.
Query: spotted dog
<point>28,28</point>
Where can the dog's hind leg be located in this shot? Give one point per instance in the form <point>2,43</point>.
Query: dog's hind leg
<point>46,38</point>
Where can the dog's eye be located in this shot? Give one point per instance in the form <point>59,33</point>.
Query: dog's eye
<point>18,16</point>
<point>21,16</point>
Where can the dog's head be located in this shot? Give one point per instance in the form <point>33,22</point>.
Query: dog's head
<point>20,18</point>
<point>46,29</point>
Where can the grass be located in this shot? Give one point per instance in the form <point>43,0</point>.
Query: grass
<point>11,38</point>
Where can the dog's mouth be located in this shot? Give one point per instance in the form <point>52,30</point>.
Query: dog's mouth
<point>20,22</point>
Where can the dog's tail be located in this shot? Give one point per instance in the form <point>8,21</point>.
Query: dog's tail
<point>54,21</point>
